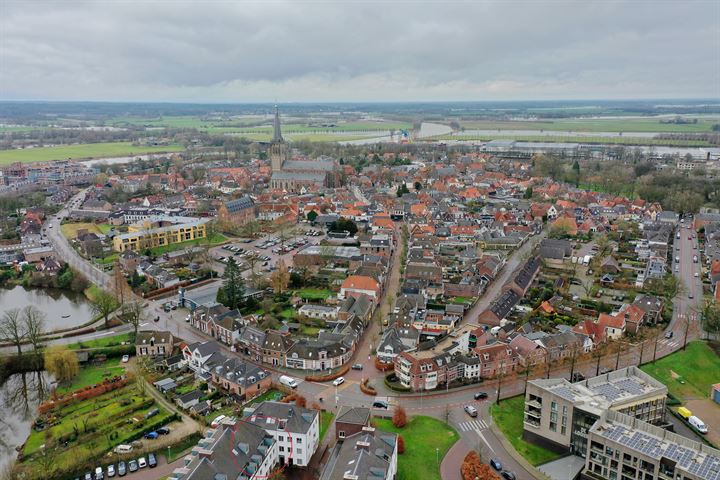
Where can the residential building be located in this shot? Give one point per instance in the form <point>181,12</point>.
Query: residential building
<point>141,238</point>
<point>351,420</point>
<point>154,343</point>
<point>368,454</point>
<point>241,379</point>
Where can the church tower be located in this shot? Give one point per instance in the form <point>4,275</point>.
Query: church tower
<point>278,147</point>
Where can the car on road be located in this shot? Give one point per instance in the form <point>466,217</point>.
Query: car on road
<point>470,410</point>
<point>496,464</point>
<point>480,395</point>
<point>121,469</point>
<point>691,296</point>
<point>133,465</point>
<point>508,475</point>
<point>669,334</point>
<point>339,381</point>
<point>357,366</point>
<point>696,274</point>
<point>152,461</point>
<point>151,435</point>
<point>142,463</point>
<point>125,358</point>
<point>163,430</point>
<point>380,404</point>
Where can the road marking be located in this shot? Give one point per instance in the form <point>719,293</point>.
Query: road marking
<point>478,424</point>
<point>143,324</point>
<point>484,440</point>
<point>103,333</point>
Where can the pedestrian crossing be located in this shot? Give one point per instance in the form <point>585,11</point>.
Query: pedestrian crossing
<point>671,343</point>
<point>478,424</point>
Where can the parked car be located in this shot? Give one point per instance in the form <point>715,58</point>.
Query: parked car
<point>142,463</point>
<point>578,377</point>
<point>111,471</point>
<point>152,412</point>
<point>99,475</point>
<point>88,476</point>
<point>470,410</point>
<point>603,371</point>
<point>163,430</point>
<point>151,435</point>
<point>125,358</point>
<point>508,475</point>
<point>357,366</point>
<point>480,395</point>
<point>339,381</point>
<point>216,423</point>
<point>496,464</point>
<point>380,404</point>
<point>152,461</point>
<point>132,465</point>
<point>121,470</point>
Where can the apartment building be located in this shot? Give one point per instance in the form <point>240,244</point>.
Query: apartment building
<point>295,429</point>
<point>233,450</point>
<point>559,414</point>
<point>624,447</point>
<point>368,454</point>
<point>141,238</point>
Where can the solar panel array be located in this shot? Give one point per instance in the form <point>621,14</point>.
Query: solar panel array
<point>621,388</point>
<point>707,469</point>
<point>564,392</point>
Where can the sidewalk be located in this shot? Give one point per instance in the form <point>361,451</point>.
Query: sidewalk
<point>450,465</point>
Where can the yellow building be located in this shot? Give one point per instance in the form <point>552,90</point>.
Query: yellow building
<point>139,238</point>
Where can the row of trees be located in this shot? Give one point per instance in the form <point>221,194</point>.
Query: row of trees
<point>23,326</point>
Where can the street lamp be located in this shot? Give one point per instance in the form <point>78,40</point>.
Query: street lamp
<point>437,455</point>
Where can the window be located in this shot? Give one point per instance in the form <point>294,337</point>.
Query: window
<point>341,434</point>
<point>282,449</point>
<point>281,438</point>
<point>553,426</point>
<point>298,451</point>
<point>563,430</point>
<point>298,441</point>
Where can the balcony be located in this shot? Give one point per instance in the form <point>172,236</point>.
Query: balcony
<point>531,423</point>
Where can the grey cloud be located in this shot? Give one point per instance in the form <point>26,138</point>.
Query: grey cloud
<point>341,50</point>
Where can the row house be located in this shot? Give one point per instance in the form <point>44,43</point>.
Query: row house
<point>217,321</point>
<point>243,380</point>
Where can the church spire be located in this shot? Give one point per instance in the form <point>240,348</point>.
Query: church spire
<point>277,135</point>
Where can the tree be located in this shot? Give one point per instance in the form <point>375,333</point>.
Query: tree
<point>34,324</point>
<point>402,190</point>
<point>301,401</point>
<point>343,224</point>
<point>134,314</point>
<point>62,363</point>
<point>598,353</point>
<point>500,376</point>
<point>711,318</point>
<point>399,418</point>
<point>418,186</point>
<point>12,328</point>
<point>311,216</point>
<point>104,304</point>
<point>528,193</point>
<point>233,288</point>
<point>120,285</point>
<point>672,287</point>
<point>280,278</point>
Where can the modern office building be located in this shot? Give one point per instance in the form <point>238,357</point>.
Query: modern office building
<point>138,239</point>
<point>624,448</point>
<point>559,414</point>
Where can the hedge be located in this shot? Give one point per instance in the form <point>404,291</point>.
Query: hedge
<point>367,389</point>
<point>326,378</point>
<point>112,352</point>
<point>382,366</point>
<point>395,387</point>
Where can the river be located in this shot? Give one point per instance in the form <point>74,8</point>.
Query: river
<point>62,308</point>
<point>20,396</point>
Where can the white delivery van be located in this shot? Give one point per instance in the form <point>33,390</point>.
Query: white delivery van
<point>122,449</point>
<point>288,381</point>
<point>697,424</point>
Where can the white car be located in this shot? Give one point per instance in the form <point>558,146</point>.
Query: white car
<point>142,463</point>
<point>697,274</point>
<point>338,381</point>
<point>125,358</point>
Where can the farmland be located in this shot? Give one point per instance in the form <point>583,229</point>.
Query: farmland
<point>81,151</point>
<point>70,230</point>
<point>596,125</point>
<point>507,135</point>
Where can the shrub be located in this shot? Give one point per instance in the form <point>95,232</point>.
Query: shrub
<point>327,378</point>
<point>401,445</point>
<point>399,418</point>
<point>301,401</point>
<point>382,366</point>
<point>366,389</point>
<point>473,468</point>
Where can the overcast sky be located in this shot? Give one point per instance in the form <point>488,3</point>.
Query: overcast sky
<point>266,50</point>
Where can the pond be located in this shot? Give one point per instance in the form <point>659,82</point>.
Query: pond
<point>62,308</point>
<point>20,396</point>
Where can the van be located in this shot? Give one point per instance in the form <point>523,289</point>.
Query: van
<point>697,424</point>
<point>216,423</point>
<point>288,381</point>
<point>684,413</point>
<point>123,449</point>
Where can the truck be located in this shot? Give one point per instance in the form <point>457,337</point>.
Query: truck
<point>288,381</point>
<point>684,413</point>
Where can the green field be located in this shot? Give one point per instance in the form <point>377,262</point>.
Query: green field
<point>102,342</point>
<point>326,419</point>
<point>594,125</point>
<point>505,135</point>
<point>508,416</point>
<point>422,435</point>
<point>81,151</point>
<point>698,367</point>
<point>70,229</point>
<point>313,293</point>
<point>92,375</point>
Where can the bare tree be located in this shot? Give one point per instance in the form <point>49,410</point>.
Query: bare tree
<point>575,352</point>
<point>34,323</point>
<point>104,304</point>
<point>12,328</point>
<point>598,353</point>
<point>655,337</point>
<point>134,314</point>
<point>500,376</point>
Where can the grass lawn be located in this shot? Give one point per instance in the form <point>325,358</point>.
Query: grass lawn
<point>92,375</point>
<point>313,293</point>
<point>288,313</point>
<point>102,342</point>
<point>92,292</point>
<point>215,239</point>
<point>87,150</point>
<point>70,230</point>
<point>326,419</point>
<point>461,300</point>
<point>175,451</point>
<point>697,366</point>
<point>509,418</point>
<point>309,331</point>
<point>422,436</point>
<point>109,260</point>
